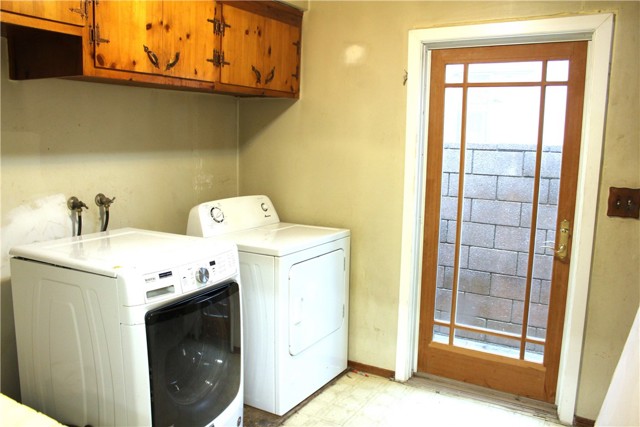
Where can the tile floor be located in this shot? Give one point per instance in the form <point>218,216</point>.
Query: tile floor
<point>366,400</point>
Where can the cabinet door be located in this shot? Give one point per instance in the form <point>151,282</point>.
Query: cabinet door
<point>171,38</point>
<point>241,47</point>
<point>281,56</point>
<point>188,39</point>
<point>128,35</point>
<point>68,12</point>
<point>259,51</point>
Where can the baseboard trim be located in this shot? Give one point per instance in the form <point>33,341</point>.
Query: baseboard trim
<point>583,422</point>
<point>386,373</point>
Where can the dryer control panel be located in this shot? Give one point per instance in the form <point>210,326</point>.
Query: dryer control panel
<point>228,215</point>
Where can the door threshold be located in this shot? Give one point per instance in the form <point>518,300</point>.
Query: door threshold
<point>513,402</point>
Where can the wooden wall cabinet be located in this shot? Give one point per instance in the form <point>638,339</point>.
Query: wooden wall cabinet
<point>47,15</point>
<point>166,38</point>
<point>239,47</point>
<point>260,45</point>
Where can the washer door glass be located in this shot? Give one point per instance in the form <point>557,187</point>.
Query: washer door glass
<point>194,357</point>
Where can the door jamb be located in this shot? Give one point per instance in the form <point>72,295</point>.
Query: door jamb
<point>598,29</point>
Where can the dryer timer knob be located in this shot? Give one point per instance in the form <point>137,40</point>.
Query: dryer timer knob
<point>202,275</point>
<point>216,214</point>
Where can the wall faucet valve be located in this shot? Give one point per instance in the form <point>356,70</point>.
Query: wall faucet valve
<point>102,200</point>
<point>75,204</point>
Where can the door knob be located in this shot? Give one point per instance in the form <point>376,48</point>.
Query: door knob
<point>563,242</point>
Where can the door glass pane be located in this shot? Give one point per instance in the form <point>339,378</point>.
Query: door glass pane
<point>502,116</point>
<point>534,352</point>
<point>454,73</point>
<point>503,346</point>
<point>551,162</point>
<point>558,71</point>
<point>449,201</point>
<point>509,72</point>
<point>554,115</point>
<point>441,334</point>
<point>452,119</point>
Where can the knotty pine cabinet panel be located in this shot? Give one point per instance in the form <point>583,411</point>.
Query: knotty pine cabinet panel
<point>168,38</point>
<point>260,46</point>
<point>282,54</point>
<point>59,16</point>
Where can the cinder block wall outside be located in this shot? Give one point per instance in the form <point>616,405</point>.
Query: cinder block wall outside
<point>497,215</point>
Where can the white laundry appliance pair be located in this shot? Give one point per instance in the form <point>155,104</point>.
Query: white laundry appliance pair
<point>130,328</point>
<point>295,282</point>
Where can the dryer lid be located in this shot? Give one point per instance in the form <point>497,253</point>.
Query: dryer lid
<point>283,238</point>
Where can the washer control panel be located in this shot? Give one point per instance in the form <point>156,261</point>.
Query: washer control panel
<point>190,277</point>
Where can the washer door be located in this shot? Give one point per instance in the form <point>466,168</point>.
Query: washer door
<point>194,357</point>
<point>316,299</point>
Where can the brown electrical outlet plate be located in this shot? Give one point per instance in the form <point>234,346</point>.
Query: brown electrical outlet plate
<point>624,202</point>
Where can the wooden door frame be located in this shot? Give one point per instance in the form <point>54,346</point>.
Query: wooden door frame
<point>598,30</point>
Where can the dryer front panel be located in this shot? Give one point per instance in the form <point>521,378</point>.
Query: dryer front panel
<point>316,299</point>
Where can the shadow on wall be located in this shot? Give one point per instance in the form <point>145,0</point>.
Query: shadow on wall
<point>112,118</point>
<point>263,113</point>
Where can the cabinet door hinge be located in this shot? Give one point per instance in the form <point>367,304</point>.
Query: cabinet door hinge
<point>218,26</point>
<point>218,59</point>
<point>82,10</point>
<point>94,35</point>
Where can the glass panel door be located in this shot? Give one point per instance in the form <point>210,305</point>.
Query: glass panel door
<point>501,167</point>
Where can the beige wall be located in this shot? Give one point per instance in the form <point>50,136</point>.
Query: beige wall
<point>159,152</point>
<point>335,158</point>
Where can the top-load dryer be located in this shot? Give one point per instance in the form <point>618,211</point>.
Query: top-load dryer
<point>295,298</point>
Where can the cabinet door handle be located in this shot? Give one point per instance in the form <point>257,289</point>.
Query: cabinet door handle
<point>152,56</point>
<point>173,63</point>
<point>257,73</point>
<point>270,76</point>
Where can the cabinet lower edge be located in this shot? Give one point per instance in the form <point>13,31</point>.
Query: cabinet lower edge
<point>40,24</point>
<point>173,83</point>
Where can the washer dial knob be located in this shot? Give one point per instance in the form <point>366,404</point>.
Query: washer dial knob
<point>202,275</point>
<point>264,207</point>
<point>216,214</point>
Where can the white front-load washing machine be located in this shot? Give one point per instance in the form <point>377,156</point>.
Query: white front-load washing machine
<point>295,282</point>
<point>130,328</point>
